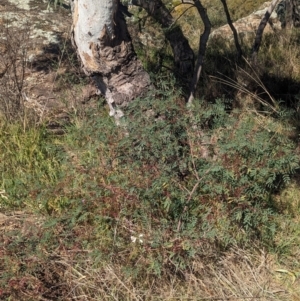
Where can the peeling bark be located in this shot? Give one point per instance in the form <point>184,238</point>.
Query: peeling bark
<point>103,44</point>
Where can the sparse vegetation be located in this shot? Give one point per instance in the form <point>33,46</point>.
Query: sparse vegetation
<point>13,50</point>
<point>177,203</point>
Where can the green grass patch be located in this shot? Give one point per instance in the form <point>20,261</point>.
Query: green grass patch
<point>29,162</point>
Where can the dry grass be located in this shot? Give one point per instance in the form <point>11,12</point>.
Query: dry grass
<point>191,23</point>
<point>13,52</point>
<point>72,274</point>
<point>238,275</point>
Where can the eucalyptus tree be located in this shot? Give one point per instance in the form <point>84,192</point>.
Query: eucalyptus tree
<point>103,44</point>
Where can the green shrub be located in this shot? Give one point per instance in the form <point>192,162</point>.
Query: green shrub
<point>209,168</point>
<point>184,178</point>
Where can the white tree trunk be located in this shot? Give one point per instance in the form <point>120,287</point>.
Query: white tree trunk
<point>104,46</point>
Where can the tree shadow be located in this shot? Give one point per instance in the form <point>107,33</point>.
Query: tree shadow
<point>53,54</point>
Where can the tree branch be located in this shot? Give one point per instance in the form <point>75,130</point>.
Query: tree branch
<point>260,30</point>
<point>202,49</point>
<point>183,54</point>
<point>235,34</point>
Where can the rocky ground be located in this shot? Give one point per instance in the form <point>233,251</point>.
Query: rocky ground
<point>38,62</point>
<point>38,36</point>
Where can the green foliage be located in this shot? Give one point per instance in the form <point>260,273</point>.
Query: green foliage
<point>161,198</point>
<point>208,160</point>
<point>171,186</point>
<point>202,168</point>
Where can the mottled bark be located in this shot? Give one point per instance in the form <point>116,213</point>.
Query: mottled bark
<point>183,54</point>
<point>104,47</point>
